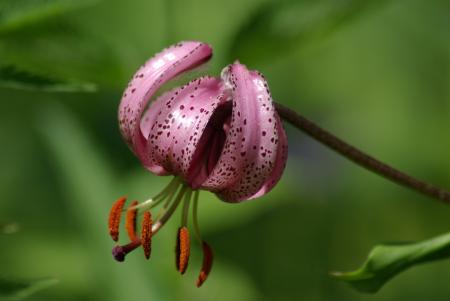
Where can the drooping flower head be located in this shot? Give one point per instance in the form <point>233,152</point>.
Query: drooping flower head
<point>218,134</point>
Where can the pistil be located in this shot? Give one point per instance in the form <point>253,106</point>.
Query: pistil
<point>119,252</point>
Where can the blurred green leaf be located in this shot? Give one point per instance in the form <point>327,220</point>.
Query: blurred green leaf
<point>280,26</point>
<point>60,48</point>
<point>18,290</point>
<point>9,228</point>
<point>12,77</point>
<point>64,51</point>
<point>90,183</point>
<point>386,261</point>
<point>18,13</point>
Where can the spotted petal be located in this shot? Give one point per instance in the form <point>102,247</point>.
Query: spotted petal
<point>147,80</point>
<point>174,124</point>
<point>280,161</point>
<point>253,155</point>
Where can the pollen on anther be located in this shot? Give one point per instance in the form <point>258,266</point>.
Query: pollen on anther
<point>183,249</point>
<point>130,223</point>
<point>207,264</point>
<point>146,237</point>
<point>114,218</point>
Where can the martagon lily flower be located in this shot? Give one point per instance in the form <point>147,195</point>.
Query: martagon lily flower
<point>217,134</point>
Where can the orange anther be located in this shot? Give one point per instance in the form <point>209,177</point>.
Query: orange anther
<point>114,218</point>
<point>207,264</point>
<point>146,237</point>
<point>130,224</point>
<point>183,249</point>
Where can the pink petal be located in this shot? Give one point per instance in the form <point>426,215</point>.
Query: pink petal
<point>147,80</point>
<point>175,122</point>
<point>249,155</point>
<point>280,161</point>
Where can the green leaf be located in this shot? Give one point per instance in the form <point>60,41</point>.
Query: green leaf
<point>17,13</point>
<point>280,26</point>
<point>386,261</point>
<point>18,290</point>
<point>12,77</point>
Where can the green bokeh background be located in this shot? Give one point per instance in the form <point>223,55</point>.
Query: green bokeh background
<point>379,78</point>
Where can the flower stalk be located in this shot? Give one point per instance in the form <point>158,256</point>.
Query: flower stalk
<point>359,157</point>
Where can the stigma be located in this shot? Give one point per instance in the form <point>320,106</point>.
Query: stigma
<point>168,200</point>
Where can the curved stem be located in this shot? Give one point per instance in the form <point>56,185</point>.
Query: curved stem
<point>360,157</point>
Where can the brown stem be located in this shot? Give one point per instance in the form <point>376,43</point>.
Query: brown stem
<point>359,157</point>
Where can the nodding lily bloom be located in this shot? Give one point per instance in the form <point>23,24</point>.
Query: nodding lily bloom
<point>218,134</point>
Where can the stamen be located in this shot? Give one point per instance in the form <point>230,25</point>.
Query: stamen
<point>167,192</point>
<point>185,212</point>
<point>173,195</point>
<point>166,213</point>
<point>130,224</point>
<point>169,200</point>
<point>170,187</point>
<point>207,251</point>
<point>183,249</point>
<point>114,218</point>
<point>207,264</point>
<point>147,234</point>
<point>119,252</point>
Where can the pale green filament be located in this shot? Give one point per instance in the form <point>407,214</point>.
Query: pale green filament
<point>166,194</point>
<point>166,213</point>
<point>194,217</point>
<point>171,195</point>
<point>185,212</point>
<point>169,201</point>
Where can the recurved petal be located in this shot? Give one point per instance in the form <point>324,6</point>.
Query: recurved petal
<point>249,155</point>
<point>175,122</point>
<point>147,80</point>
<point>280,161</point>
